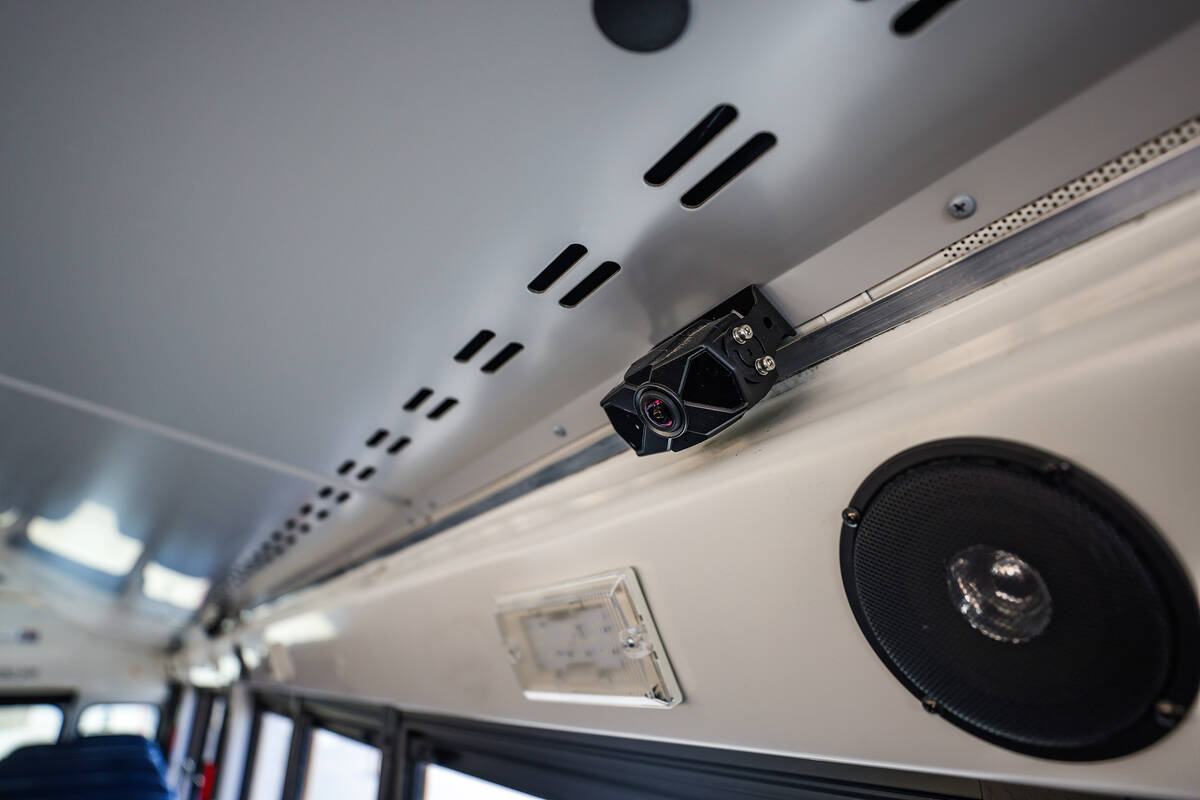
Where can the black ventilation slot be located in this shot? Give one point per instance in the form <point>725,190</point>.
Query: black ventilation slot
<point>328,490</point>
<point>323,513</point>
<point>398,445</point>
<point>591,283</point>
<point>415,401</point>
<point>474,346</point>
<point>557,268</point>
<point>443,407</point>
<point>346,467</point>
<point>916,15</point>
<point>365,473</point>
<point>728,169</point>
<point>377,438</point>
<point>306,509</point>
<point>686,148</point>
<point>503,357</point>
<point>343,497</point>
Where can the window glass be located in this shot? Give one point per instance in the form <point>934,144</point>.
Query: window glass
<point>32,724</point>
<point>446,784</point>
<point>342,768</point>
<point>270,757</point>
<point>105,718</point>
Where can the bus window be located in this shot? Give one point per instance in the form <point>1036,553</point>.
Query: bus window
<point>212,744</point>
<point>39,723</point>
<point>270,757</point>
<point>446,784</point>
<point>105,718</point>
<point>341,767</point>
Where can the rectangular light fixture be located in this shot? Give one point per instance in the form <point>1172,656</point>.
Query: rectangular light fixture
<point>590,640</point>
<point>88,536</point>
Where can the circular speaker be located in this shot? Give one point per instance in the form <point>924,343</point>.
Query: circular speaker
<point>1021,599</point>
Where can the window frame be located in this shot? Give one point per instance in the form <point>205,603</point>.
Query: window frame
<point>372,737</point>
<point>63,701</point>
<point>559,765</point>
<point>377,726</point>
<point>75,734</point>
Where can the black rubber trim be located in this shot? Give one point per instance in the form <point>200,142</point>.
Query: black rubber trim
<point>1184,678</point>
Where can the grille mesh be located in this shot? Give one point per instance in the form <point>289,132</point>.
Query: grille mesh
<point>1097,667</point>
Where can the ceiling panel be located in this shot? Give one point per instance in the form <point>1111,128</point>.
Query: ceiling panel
<point>192,509</point>
<point>264,226</point>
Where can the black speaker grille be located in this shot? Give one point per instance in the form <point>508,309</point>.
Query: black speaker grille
<point>1097,669</point>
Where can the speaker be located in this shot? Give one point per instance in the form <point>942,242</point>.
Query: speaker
<point>1022,599</point>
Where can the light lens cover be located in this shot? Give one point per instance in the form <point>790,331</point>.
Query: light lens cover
<point>590,640</point>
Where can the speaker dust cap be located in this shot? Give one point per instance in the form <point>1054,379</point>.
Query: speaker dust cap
<point>1022,599</point>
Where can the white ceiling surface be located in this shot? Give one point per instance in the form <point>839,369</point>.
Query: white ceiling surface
<point>736,541</point>
<point>252,231</point>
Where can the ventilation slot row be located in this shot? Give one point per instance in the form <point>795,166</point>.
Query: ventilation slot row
<point>692,143</point>
<point>285,536</point>
<point>503,357</point>
<point>728,169</point>
<point>443,407</point>
<point>415,401</point>
<point>474,346</point>
<point>917,15</point>
<point>591,283</point>
<point>563,262</point>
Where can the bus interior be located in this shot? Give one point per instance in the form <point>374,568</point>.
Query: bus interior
<point>590,399</point>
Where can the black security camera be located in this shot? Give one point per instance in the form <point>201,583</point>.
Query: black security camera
<point>702,378</point>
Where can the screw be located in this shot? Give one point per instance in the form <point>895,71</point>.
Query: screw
<point>560,431</point>
<point>852,517</point>
<point>743,334</point>
<point>764,365</point>
<point>1168,713</point>
<point>630,643</point>
<point>930,705</point>
<point>961,206</point>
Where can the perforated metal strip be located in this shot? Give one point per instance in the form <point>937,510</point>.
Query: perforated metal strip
<point>1033,211</point>
<point>1089,182</point>
<point>927,286</point>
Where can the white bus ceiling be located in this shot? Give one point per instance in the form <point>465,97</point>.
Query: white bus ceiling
<point>237,241</point>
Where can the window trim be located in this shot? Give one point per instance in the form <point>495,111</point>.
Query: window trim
<point>63,701</point>
<point>558,764</point>
<point>377,726</point>
<point>80,712</point>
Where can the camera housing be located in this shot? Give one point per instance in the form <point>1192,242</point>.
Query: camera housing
<point>701,379</point>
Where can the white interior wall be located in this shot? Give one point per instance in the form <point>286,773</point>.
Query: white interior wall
<point>1091,355</point>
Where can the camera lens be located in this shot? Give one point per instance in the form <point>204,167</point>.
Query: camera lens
<point>658,413</point>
